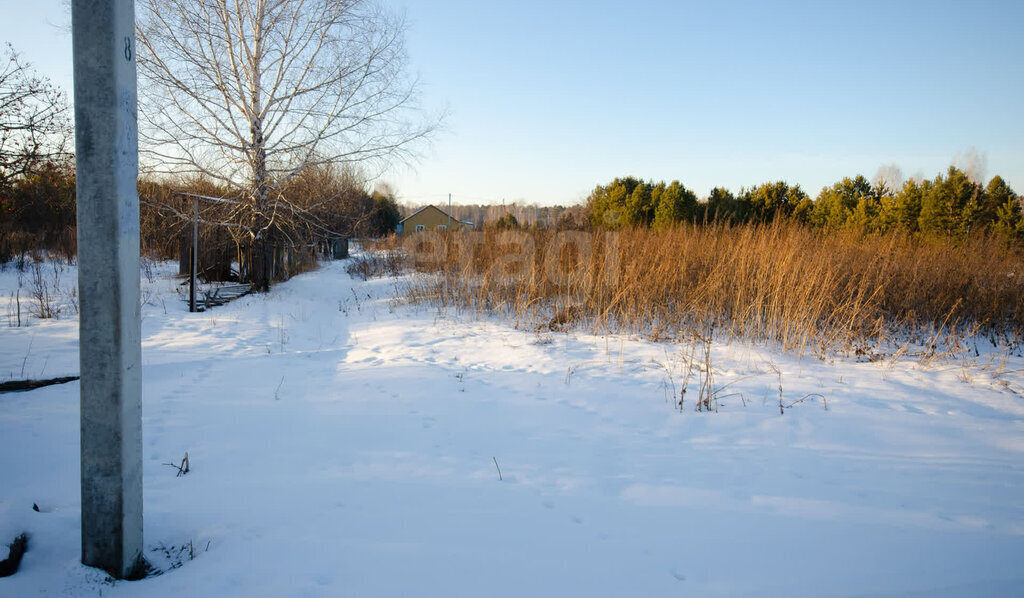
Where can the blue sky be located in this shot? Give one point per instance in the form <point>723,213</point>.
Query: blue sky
<point>548,99</point>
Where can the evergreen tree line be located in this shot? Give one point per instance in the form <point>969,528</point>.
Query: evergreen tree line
<point>951,205</point>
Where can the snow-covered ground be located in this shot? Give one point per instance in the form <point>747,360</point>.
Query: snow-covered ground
<point>344,444</point>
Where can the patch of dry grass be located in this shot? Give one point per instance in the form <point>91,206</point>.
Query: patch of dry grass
<point>801,289</point>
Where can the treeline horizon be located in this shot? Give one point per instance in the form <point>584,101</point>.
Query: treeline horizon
<point>952,205</point>
<point>38,209</point>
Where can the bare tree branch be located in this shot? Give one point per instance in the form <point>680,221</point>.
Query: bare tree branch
<point>35,126</point>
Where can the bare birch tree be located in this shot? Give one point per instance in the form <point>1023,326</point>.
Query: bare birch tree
<point>249,93</point>
<point>888,180</point>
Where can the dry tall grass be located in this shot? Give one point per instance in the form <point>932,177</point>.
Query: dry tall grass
<point>802,289</point>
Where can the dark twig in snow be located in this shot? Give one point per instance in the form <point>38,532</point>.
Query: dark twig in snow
<point>182,469</point>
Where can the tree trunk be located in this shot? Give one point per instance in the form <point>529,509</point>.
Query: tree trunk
<point>262,263</point>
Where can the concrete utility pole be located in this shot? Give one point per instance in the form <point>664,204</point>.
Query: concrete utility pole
<point>107,161</point>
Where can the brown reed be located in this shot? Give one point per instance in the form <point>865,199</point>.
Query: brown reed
<point>781,283</point>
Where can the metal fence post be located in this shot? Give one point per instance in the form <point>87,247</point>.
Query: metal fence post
<point>194,266</point>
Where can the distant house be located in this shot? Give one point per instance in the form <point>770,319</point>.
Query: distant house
<point>430,218</point>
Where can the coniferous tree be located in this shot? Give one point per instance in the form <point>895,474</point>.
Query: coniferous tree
<point>902,210</point>
<point>507,222</point>
<point>1007,214</point>
<point>773,200</point>
<point>804,211</point>
<point>997,193</point>
<point>836,205</point>
<point>673,204</point>
<point>639,209</point>
<point>724,207</point>
<point>951,206</point>
<point>608,204</point>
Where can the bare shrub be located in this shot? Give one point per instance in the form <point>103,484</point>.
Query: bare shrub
<point>372,265</point>
<point>41,291</point>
